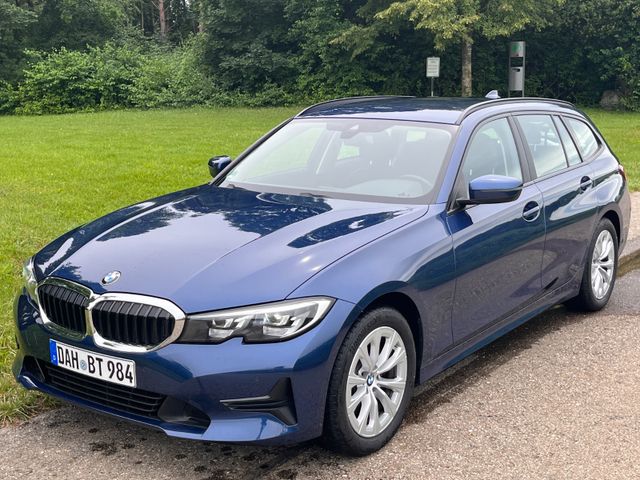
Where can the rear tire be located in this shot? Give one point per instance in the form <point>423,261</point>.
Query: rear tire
<point>599,275</point>
<point>374,374</point>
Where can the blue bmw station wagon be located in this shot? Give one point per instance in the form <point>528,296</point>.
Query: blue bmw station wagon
<point>352,253</point>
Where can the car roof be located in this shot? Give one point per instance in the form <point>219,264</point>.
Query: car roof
<point>449,110</point>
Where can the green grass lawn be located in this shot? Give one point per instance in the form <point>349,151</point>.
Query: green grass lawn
<point>57,172</point>
<point>622,132</point>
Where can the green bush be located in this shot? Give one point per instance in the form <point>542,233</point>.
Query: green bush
<point>8,100</point>
<point>131,74</point>
<point>58,82</point>
<point>171,78</point>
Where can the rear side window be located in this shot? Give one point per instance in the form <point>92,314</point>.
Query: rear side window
<point>544,143</point>
<point>587,142</point>
<point>573,157</point>
<point>492,151</point>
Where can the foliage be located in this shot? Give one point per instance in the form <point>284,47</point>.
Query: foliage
<point>610,29</point>
<point>340,54</point>
<point>247,45</point>
<point>102,54</point>
<point>74,24</point>
<point>453,20</point>
<point>14,27</point>
<point>8,98</point>
<point>112,76</point>
<point>463,21</point>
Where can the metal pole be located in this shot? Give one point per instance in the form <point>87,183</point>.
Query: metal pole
<point>432,86</point>
<point>508,74</point>
<point>523,73</point>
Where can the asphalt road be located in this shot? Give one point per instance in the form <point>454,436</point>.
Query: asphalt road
<point>556,398</point>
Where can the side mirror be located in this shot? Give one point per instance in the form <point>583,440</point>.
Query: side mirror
<point>492,189</point>
<point>217,164</point>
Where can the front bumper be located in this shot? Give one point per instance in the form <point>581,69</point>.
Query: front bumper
<point>205,377</point>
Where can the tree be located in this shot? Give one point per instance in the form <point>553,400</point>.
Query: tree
<point>463,21</point>
<point>14,27</point>
<point>609,32</point>
<point>341,50</point>
<point>162,19</point>
<point>247,44</point>
<point>74,24</point>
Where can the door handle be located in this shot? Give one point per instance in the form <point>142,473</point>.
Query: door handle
<point>531,211</point>
<point>585,182</point>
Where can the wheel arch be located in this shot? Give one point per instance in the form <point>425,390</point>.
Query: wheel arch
<point>408,308</point>
<point>614,217</point>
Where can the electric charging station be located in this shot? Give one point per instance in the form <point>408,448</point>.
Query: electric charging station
<point>516,67</point>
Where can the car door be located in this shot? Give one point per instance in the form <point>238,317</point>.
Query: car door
<point>570,202</point>
<point>498,247</point>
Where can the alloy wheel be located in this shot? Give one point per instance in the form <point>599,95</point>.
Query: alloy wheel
<point>602,264</point>
<point>376,382</point>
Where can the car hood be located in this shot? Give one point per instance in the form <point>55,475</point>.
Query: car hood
<point>209,247</point>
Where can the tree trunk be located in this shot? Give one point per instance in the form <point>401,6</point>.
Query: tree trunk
<point>163,20</point>
<point>142,15</point>
<point>466,67</point>
<point>201,16</point>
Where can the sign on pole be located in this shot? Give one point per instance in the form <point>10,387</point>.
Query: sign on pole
<point>433,69</point>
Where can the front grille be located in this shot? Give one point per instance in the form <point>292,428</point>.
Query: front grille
<point>118,397</point>
<point>64,307</point>
<point>132,323</point>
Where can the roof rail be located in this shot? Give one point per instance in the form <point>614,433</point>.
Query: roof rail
<point>356,99</point>
<point>489,103</point>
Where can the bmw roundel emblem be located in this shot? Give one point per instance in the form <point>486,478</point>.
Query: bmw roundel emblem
<point>111,277</point>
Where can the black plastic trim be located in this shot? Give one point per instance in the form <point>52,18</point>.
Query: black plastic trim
<point>279,403</point>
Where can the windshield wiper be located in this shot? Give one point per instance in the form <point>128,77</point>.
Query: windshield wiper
<point>234,186</point>
<point>311,194</point>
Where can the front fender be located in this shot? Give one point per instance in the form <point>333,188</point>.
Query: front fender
<point>416,260</point>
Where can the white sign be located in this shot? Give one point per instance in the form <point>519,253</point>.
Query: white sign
<point>433,67</point>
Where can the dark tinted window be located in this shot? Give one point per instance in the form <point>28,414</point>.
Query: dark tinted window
<point>544,143</point>
<point>573,157</point>
<point>587,141</point>
<point>492,151</point>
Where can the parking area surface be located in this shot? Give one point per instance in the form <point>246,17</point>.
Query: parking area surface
<point>556,398</point>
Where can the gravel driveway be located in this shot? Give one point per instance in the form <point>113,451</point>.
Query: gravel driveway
<point>556,398</point>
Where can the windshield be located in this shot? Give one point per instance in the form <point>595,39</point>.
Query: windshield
<point>348,158</point>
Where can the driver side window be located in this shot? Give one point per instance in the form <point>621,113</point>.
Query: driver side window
<point>492,151</point>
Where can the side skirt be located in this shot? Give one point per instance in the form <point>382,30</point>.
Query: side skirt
<point>497,330</point>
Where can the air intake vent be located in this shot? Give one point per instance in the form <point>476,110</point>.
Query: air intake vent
<point>132,323</point>
<point>64,307</point>
<point>119,397</point>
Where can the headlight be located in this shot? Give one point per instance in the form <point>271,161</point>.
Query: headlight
<point>30,282</point>
<point>262,323</point>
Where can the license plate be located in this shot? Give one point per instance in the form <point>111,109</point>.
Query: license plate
<point>91,364</point>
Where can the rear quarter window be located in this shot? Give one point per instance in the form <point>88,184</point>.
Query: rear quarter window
<point>544,143</point>
<point>573,157</point>
<point>587,141</point>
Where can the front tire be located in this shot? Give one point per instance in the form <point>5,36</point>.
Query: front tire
<point>371,384</point>
<point>599,275</point>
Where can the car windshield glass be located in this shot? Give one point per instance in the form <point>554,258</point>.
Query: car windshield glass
<point>348,158</point>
